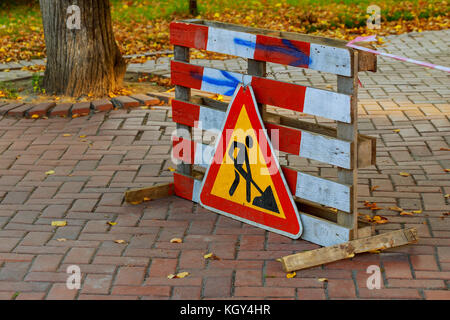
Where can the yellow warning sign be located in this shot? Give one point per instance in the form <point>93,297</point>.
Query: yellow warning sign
<point>244,180</point>
<point>244,174</point>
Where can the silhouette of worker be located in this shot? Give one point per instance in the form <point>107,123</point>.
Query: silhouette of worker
<point>266,200</point>
<point>239,160</point>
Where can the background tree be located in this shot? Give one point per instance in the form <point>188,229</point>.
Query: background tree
<point>82,54</point>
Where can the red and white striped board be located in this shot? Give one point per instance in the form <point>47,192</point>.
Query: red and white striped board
<point>315,229</point>
<point>294,141</point>
<point>302,185</point>
<point>248,45</point>
<point>316,102</point>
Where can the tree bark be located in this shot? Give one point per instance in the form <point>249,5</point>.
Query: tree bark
<point>82,60</point>
<point>193,9</point>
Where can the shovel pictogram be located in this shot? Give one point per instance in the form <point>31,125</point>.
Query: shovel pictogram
<point>266,200</point>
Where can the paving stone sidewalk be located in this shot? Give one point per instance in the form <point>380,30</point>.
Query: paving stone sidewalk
<point>125,149</point>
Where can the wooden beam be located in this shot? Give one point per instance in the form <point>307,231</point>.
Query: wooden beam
<point>183,54</point>
<point>349,132</point>
<point>346,250</point>
<point>137,196</point>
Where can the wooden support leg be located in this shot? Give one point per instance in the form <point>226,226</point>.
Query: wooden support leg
<point>349,132</point>
<point>346,250</point>
<point>183,93</point>
<point>137,196</point>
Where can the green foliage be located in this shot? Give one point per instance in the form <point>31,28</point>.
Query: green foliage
<point>8,91</point>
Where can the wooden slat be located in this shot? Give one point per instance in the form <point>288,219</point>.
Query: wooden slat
<point>325,255</point>
<point>184,93</point>
<point>136,196</point>
<point>321,144</point>
<point>317,102</point>
<point>316,229</point>
<point>349,132</point>
<point>228,40</point>
<point>188,35</point>
<point>302,185</point>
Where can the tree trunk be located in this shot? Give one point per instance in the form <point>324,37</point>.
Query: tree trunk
<point>193,9</point>
<point>82,55</point>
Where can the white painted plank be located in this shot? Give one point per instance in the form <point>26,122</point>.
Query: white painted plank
<point>323,232</point>
<point>323,191</point>
<point>222,82</point>
<point>234,43</point>
<point>328,150</point>
<point>330,59</point>
<point>316,230</point>
<point>308,187</point>
<point>211,119</point>
<point>327,104</point>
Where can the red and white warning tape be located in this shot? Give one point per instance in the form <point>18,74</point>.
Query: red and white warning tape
<point>384,54</point>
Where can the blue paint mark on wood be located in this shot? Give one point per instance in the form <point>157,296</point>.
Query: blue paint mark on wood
<point>289,49</point>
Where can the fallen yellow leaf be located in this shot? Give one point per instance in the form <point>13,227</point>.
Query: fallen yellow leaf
<point>67,135</point>
<point>291,275</point>
<point>171,169</point>
<point>351,255</point>
<point>322,279</point>
<point>49,172</point>
<point>120,241</point>
<point>176,240</point>
<point>447,195</point>
<point>374,188</point>
<point>404,174</point>
<point>207,256</point>
<point>111,223</point>
<point>395,208</point>
<point>171,276</point>
<point>61,240</point>
<point>396,130</point>
<point>406,213</point>
<point>59,223</point>
<point>379,219</point>
<point>417,211</point>
<point>34,116</point>
<point>447,170</point>
<point>182,275</point>
<point>147,199</point>
<point>83,136</point>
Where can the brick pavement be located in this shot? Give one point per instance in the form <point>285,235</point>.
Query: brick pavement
<point>131,148</point>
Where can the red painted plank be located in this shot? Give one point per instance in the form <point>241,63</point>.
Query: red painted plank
<point>281,94</point>
<point>183,149</point>
<point>185,113</point>
<point>283,51</point>
<point>289,138</point>
<point>185,74</point>
<point>272,92</point>
<point>188,35</point>
<point>184,186</point>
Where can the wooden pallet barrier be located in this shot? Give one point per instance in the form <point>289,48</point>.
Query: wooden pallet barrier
<point>327,208</point>
<point>341,147</point>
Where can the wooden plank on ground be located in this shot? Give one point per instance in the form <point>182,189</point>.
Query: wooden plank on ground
<point>346,250</point>
<point>137,196</point>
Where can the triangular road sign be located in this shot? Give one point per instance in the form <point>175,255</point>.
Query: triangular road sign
<point>244,180</point>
